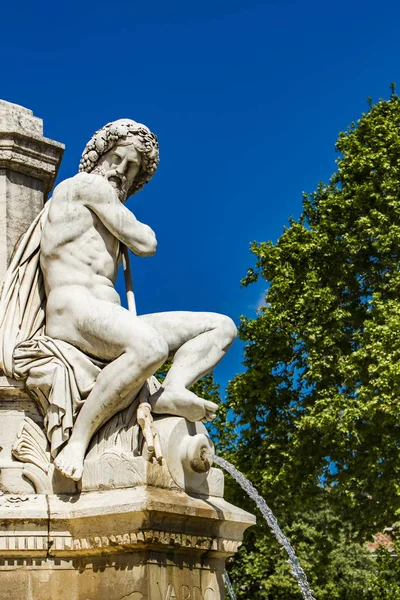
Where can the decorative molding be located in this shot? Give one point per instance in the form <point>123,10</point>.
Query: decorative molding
<point>41,481</point>
<point>123,542</point>
<point>25,543</point>
<point>32,154</point>
<point>18,498</point>
<point>138,538</point>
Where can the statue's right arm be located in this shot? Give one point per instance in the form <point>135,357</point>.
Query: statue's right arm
<point>100,197</point>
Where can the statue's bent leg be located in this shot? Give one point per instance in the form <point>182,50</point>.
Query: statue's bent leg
<point>198,341</point>
<point>138,350</point>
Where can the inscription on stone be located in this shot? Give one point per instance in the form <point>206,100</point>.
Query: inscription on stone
<point>185,593</point>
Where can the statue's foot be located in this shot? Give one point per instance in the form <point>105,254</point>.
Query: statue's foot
<point>182,403</point>
<point>70,461</point>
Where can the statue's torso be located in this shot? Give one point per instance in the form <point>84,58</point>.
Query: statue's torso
<point>77,250</point>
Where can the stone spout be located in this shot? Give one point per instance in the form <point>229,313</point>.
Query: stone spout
<point>195,452</point>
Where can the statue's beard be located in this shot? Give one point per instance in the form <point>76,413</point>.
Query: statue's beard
<point>118,182</point>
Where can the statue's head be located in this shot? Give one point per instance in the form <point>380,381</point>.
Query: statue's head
<point>125,152</point>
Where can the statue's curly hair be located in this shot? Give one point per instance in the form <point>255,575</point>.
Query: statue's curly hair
<point>108,136</point>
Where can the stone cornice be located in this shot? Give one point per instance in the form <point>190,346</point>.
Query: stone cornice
<point>11,387</point>
<point>32,155</point>
<point>118,522</point>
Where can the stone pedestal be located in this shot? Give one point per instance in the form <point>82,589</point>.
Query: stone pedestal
<point>137,544</point>
<point>29,164</point>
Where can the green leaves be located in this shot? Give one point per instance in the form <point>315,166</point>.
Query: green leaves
<point>320,398</point>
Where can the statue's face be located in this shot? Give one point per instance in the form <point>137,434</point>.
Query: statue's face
<point>120,166</point>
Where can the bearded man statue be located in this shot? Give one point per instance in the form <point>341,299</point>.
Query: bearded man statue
<point>62,327</point>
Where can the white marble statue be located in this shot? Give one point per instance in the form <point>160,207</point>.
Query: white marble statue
<point>62,326</point>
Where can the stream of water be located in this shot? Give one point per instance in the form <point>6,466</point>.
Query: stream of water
<point>229,587</point>
<point>269,516</point>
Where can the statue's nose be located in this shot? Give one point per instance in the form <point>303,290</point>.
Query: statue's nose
<point>121,167</point>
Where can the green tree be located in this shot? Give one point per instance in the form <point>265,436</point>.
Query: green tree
<point>338,566</point>
<point>317,409</point>
<point>384,581</point>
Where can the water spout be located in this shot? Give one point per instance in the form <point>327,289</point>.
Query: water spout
<point>269,516</point>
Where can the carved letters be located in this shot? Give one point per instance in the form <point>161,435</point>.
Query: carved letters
<point>185,592</point>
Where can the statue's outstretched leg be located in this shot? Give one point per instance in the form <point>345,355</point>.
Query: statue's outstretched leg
<point>198,341</point>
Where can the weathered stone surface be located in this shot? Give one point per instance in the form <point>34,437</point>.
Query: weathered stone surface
<point>112,461</point>
<point>29,164</point>
<point>143,575</point>
<point>24,149</point>
<point>141,543</point>
<point>15,405</point>
<point>15,217</point>
<point>18,119</point>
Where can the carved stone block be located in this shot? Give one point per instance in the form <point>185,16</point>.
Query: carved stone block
<point>141,543</point>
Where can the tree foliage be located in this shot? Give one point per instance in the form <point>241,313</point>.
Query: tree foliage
<point>314,419</point>
<point>320,397</point>
<point>338,566</point>
<point>384,580</point>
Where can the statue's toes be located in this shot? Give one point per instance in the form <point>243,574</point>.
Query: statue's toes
<point>211,409</point>
<point>77,475</point>
<point>70,471</point>
<point>209,417</point>
<point>59,463</point>
<point>64,467</point>
<point>77,472</point>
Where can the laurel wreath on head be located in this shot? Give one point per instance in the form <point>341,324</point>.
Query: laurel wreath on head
<point>108,136</point>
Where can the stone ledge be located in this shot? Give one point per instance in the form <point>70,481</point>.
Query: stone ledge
<point>32,155</point>
<point>118,522</point>
<point>11,387</point>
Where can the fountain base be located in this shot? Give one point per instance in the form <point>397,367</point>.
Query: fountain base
<point>141,543</point>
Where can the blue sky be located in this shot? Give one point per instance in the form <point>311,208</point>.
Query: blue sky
<point>247,98</point>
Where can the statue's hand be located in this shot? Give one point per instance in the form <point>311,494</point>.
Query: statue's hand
<point>145,421</point>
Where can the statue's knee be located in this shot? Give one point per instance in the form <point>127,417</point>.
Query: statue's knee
<point>227,330</point>
<point>156,351</point>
